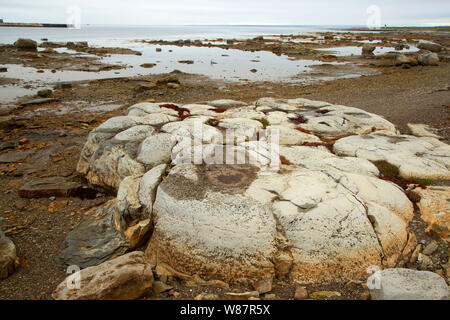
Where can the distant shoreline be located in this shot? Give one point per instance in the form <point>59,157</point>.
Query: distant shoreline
<point>34,25</point>
<point>382,29</point>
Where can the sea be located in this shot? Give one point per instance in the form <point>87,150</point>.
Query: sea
<point>106,34</point>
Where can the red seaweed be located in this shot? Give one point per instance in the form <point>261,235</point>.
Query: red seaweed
<point>219,110</point>
<point>299,119</point>
<point>303,130</point>
<point>183,113</point>
<point>284,160</point>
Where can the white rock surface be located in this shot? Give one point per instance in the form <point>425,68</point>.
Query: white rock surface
<point>156,150</point>
<point>422,130</point>
<point>342,120</point>
<point>288,136</point>
<point>406,284</point>
<point>137,133</point>
<point>200,229</point>
<point>414,157</point>
<point>148,185</point>
<point>226,103</point>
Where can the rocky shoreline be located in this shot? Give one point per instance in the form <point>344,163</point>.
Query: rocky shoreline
<point>119,152</point>
<point>58,190</point>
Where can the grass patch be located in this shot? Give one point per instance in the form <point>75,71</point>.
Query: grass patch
<point>391,173</point>
<point>421,181</point>
<point>386,169</point>
<point>264,122</point>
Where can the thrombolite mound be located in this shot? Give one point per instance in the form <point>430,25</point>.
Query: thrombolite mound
<point>294,210</point>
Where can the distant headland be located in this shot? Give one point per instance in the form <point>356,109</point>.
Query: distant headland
<point>34,25</point>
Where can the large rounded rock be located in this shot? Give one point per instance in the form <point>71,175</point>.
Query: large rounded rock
<point>402,59</point>
<point>206,225</point>
<point>428,59</point>
<point>367,49</point>
<point>156,150</point>
<point>430,46</point>
<point>26,45</point>
<point>232,223</point>
<point>8,257</point>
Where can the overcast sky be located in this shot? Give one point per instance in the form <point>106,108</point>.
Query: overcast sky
<point>260,12</point>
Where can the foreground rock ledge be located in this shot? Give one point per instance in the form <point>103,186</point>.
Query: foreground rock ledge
<point>125,278</point>
<point>324,215</point>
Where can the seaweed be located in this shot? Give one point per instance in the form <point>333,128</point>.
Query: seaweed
<point>303,130</point>
<point>219,110</point>
<point>283,160</point>
<point>183,113</point>
<point>298,119</point>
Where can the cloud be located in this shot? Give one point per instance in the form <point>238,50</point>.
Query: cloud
<point>282,12</point>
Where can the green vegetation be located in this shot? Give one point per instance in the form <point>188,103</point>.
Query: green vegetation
<point>386,169</point>
<point>264,122</point>
<point>424,181</point>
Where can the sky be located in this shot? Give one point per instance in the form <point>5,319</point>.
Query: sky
<point>246,12</point>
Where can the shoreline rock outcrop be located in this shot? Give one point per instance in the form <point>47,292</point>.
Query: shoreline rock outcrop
<point>303,200</point>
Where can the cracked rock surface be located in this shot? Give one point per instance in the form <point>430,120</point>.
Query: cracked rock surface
<point>316,213</point>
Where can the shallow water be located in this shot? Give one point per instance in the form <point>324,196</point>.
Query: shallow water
<point>353,50</point>
<point>217,63</point>
<point>9,93</point>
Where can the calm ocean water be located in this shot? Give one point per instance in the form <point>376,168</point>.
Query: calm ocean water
<point>103,35</point>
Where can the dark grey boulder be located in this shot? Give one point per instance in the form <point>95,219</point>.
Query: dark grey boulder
<point>96,239</point>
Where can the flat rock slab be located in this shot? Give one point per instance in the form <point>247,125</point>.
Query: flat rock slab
<point>422,130</point>
<point>15,157</point>
<point>39,101</point>
<point>96,239</point>
<point>47,187</point>
<point>124,278</point>
<point>407,284</point>
<point>118,226</point>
